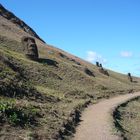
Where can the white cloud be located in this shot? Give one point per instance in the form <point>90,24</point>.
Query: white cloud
<point>126,54</point>
<point>93,57</point>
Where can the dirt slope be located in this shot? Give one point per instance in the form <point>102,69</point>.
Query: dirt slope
<point>96,119</point>
<point>18,22</point>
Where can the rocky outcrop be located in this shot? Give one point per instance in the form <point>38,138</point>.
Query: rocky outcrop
<point>21,24</point>
<point>30,47</point>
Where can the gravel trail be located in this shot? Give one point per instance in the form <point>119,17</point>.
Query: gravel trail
<point>96,121</point>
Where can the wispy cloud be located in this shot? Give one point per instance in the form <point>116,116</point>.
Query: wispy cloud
<point>126,54</point>
<point>94,56</point>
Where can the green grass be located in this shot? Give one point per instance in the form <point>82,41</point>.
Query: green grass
<point>17,115</point>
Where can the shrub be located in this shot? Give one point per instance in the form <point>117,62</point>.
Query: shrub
<point>17,116</point>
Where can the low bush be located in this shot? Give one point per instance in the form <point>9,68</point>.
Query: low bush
<point>17,116</point>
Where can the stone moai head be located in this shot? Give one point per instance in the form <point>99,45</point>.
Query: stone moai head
<point>129,74</point>
<point>30,47</point>
<point>97,64</point>
<point>100,65</point>
<point>130,77</point>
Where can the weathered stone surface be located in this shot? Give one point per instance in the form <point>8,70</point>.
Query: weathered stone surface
<point>100,65</point>
<point>30,47</point>
<point>97,64</point>
<point>130,77</point>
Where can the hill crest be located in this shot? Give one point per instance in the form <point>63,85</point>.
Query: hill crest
<point>21,24</point>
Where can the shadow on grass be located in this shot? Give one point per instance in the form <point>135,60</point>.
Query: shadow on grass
<point>135,81</point>
<point>48,62</point>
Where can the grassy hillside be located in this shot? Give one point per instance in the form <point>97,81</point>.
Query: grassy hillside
<point>129,112</point>
<point>43,99</point>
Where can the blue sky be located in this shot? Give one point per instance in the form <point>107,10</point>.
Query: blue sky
<point>96,30</point>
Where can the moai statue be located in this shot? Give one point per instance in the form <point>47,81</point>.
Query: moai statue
<point>100,65</point>
<point>97,64</point>
<point>130,77</point>
<point>30,47</point>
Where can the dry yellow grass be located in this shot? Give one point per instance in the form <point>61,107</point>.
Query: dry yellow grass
<point>127,119</point>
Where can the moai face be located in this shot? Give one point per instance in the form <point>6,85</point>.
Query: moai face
<point>30,47</point>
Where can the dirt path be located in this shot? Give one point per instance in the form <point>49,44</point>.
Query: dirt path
<point>97,120</point>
